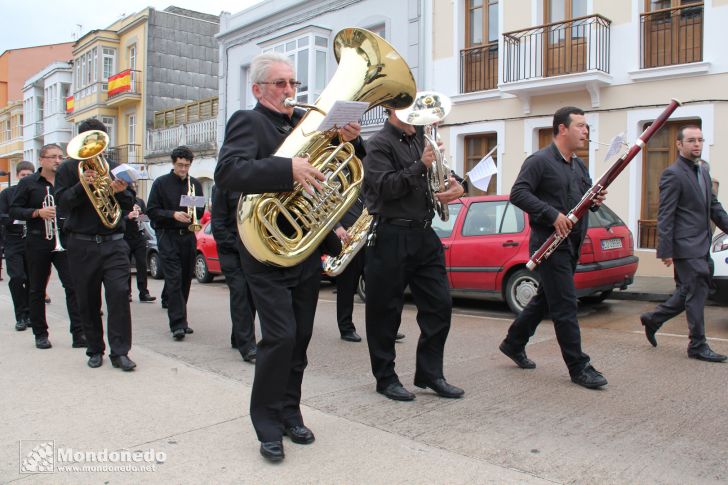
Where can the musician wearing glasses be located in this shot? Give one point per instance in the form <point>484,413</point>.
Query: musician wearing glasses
<point>176,235</point>
<point>551,182</point>
<point>285,297</point>
<point>98,255</point>
<point>404,250</point>
<point>32,204</point>
<point>17,268</point>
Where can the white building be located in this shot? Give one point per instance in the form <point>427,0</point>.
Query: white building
<point>44,109</point>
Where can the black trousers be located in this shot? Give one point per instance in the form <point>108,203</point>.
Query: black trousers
<point>177,254</point>
<point>17,269</point>
<point>406,256</point>
<point>285,299</point>
<point>138,249</point>
<point>242,309</point>
<point>95,264</point>
<point>346,284</point>
<point>692,278</point>
<point>556,295</point>
<point>39,257</point>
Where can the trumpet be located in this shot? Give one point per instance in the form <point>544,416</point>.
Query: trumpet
<point>192,210</point>
<point>51,225</point>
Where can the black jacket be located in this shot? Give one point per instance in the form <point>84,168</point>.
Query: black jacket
<point>164,201</point>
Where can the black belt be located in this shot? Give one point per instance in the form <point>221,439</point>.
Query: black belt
<point>36,232</point>
<point>97,238</point>
<point>179,232</point>
<point>411,223</point>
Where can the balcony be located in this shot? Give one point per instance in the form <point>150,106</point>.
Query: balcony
<point>88,97</point>
<point>671,36</point>
<point>479,68</point>
<point>558,57</point>
<point>130,153</point>
<point>199,136</point>
<point>125,88</point>
<point>37,129</point>
<point>187,113</point>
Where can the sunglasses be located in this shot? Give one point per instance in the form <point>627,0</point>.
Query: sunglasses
<point>281,83</point>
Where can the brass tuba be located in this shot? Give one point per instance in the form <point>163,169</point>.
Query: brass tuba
<point>88,147</point>
<point>430,108</point>
<point>370,70</point>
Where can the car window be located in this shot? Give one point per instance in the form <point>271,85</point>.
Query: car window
<point>444,228</point>
<point>604,217</point>
<point>483,218</point>
<point>208,229</point>
<point>513,220</point>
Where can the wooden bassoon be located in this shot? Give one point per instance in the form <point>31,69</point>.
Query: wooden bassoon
<point>586,202</point>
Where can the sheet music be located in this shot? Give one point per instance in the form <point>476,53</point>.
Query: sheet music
<point>191,201</point>
<point>342,113</point>
<point>125,172</point>
<point>614,146</point>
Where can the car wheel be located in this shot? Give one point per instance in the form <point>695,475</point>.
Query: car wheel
<point>520,288</point>
<point>596,298</point>
<point>155,266</point>
<point>361,289</point>
<point>201,272</point>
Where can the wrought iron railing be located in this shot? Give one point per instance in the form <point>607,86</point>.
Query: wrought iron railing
<point>672,36</point>
<point>479,68</point>
<point>130,153</point>
<point>374,116</point>
<point>572,46</point>
<point>190,134</point>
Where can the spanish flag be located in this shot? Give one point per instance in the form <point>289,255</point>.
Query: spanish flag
<point>69,104</point>
<point>118,83</point>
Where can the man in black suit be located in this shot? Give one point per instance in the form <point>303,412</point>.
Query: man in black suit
<point>285,297</point>
<point>687,205</point>
<point>136,238</point>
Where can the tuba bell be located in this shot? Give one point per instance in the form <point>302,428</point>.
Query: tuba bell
<point>88,147</point>
<point>283,229</point>
<point>430,108</point>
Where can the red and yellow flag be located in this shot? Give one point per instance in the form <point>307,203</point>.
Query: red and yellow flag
<point>69,104</point>
<point>118,83</point>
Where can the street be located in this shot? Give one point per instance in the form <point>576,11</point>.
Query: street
<point>661,419</point>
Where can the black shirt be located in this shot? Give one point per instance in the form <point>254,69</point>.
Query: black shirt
<point>224,219</point>
<point>30,193</point>
<point>71,198</point>
<point>546,186</point>
<point>164,199</point>
<point>133,226</point>
<point>6,198</point>
<point>395,178</point>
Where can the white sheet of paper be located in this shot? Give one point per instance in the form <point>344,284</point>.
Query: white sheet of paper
<point>614,146</point>
<point>191,201</point>
<point>342,113</point>
<point>125,172</point>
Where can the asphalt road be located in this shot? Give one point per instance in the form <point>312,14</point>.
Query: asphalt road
<point>662,418</point>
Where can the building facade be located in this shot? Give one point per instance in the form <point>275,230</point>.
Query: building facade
<point>508,65</point>
<point>141,64</point>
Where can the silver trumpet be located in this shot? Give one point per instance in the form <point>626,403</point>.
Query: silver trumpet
<point>51,225</point>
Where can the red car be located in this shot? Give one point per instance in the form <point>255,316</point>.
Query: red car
<point>486,251</point>
<point>207,262</point>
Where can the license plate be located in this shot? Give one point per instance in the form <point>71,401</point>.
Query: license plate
<point>611,243</point>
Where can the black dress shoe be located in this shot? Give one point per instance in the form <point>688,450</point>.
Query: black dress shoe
<point>589,377</point>
<point>351,336</point>
<point>272,450</point>
<point>79,342</point>
<point>397,392</point>
<point>189,330</point>
<point>707,354</point>
<point>518,357</point>
<point>47,299</point>
<point>300,434</point>
<point>122,361</point>
<point>399,336</point>
<point>650,330</point>
<point>21,325</point>
<point>249,354</point>
<point>147,298</point>
<point>95,360</point>
<point>442,388</point>
<point>42,343</point>
<point>179,334</point>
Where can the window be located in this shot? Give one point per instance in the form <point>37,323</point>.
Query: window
<point>565,43</point>
<point>132,138</point>
<point>109,61</point>
<point>132,66</point>
<point>672,32</point>
<point>477,147</point>
<point>110,122</point>
<point>309,54</point>
<point>483,218</point>
<point>445,228</point>
<point>546,136</point>
<point>513,220</point>
<point>479,59</point>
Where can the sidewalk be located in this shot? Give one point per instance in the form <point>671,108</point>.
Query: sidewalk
<point>646,288</point>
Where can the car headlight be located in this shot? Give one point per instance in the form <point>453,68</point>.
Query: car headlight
<point>720,244</point>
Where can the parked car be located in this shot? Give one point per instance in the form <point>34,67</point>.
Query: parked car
<point>207,262</point>
<point>486,251</point>
<point>154,265</point>
<point>719,254</point>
